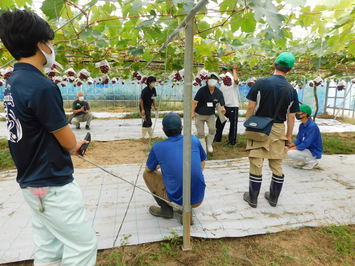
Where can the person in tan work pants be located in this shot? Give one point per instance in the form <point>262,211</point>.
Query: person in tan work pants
<point>275,98</point>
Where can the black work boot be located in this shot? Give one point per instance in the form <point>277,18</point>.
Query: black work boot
<point>275,189</point>
<point>180,217</point>
<point>254,188</point>
<point>165,210</point>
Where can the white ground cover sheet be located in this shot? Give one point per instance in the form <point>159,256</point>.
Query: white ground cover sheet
<point>310,198</point>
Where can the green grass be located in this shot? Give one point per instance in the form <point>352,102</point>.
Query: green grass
<point>343,239</point>
<point>339,143</point>
<point>6,161</point>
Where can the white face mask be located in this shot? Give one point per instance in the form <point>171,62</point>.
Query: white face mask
<point>212,82</point>
<point>152,85</point>
<point>50,58</point>
<point>81,98</point>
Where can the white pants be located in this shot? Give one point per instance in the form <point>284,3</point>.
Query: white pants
<point>61,233</point>
<point>304,156</point>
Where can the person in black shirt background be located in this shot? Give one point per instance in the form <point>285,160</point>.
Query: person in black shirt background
<point>40,142</point>
<point>81,112</point>
<point>146,102</point>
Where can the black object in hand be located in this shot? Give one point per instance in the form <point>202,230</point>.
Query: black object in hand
<point>85,145</point>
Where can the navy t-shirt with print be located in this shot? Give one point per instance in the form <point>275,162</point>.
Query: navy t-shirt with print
<point>34,108</point>
<point>270,89</point>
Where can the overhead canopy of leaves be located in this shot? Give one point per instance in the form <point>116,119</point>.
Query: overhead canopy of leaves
<point>249,33</point>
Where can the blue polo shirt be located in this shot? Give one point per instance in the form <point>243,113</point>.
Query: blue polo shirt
<point>169,155</point>
<point>34,108</point>
<point>309,137</point>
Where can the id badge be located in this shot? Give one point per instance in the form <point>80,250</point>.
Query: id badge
<point>209,104</point>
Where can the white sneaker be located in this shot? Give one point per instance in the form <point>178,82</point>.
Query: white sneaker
<point>209,143</point>
<point>310,165</point>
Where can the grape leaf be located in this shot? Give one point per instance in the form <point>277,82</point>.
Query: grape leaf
<point>52,8</point>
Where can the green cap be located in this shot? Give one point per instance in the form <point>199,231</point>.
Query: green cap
<point>286,59</point>
<point>226,68</point>
<point>306,109</point>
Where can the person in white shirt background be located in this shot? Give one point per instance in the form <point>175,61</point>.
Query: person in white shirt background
<point>230,90</point>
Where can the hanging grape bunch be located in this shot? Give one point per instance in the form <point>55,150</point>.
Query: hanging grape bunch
<point>198,82</point>
<point>71,72</point>
<point>317,81</point>
<point>104,66</point>
<point>7,73</point>
<point>98,80</point>
<point>71,79</point>
<point>144,80</point>
<point>105,80</point>
<point>202,75</point>
<point>178,76</point>
<point>78,82</point>
<point>90,81</point>
<point>57,80</point>
<point>84,74</point>
<point>2,82</point>
<point>227,81</point>
<point>250,82</point>
<point>65,78</point>
<point>353,81</point>
<point>114,81</point>
<point>137,75</point>
<point>341,85</point>
<point>51,72</point>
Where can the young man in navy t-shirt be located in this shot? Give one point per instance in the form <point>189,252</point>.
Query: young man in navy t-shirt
<point>168,155</point>
<point>41,142</point>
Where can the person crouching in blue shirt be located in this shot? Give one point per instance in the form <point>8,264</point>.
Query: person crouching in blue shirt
<point>168,156</point>
<point>307,148</point>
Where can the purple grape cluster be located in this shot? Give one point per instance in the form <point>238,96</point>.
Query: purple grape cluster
<point>105,80</point>
<point>227,81</point>
<point>144,80</point>
<point>340,87</point>
<point>7,74</point>
<point>71,73</point>
<point>104,69</point>
<point>51,73</point>
<point>137,76</point>
<point>250,84</point>
<point>177,77</point>
<point>198,81</point>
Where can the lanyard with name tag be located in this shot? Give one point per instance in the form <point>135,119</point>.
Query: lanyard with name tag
<point>209,104</point>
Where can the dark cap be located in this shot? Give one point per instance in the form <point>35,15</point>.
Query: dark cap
<point>172,121</point>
